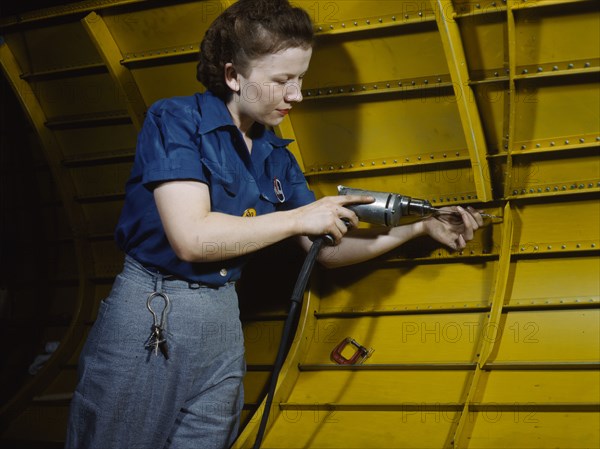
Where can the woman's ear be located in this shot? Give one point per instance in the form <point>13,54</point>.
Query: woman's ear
<point>231,77</point>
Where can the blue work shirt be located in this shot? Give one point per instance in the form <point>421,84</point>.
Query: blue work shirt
<point>194,138</point>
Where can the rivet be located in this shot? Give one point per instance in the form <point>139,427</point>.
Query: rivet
<point>331,167</point>
<point>581,186</point>
<point>539,189</point>
<point>578,245</point>
<point>431,156</point>
<point>567,142</point>
<point>412,82</point>
<point>523,147</point>
<point>351,165</point>
<point>380,20</point>
<point>341,90</point>
<point>570,66</point>
<point>496,74</point>
<point>587,64</point>
<point>375,86</point>
<point>384,162</point>
<point>564,187</point>
<point>439,80</point>
<point>393,17</point>
<point>531,190</point>
<point>406,159</point>
<point>341,167</point>
<point>364,88</point>
<point>537,145</point>
<point>525,71</point>
<point>598,139</point>
<point>387,85</point>
<point>457,153</point>
<point>590,185</point>
<point>477,6</point>
<point>552,144</point>
<point>493,3</point>
<point>419,158</point>
<point>400,84</point>
<point>362,164</point>
<point>540,69</point>
<point>330,91</point>
<point>319,92</point>
<point>373,163</point>
<point>582,140</point>
<point>355,23</point>
<point>331,27</point>
<point>535,248</point>
<point>593,245</point>
<point>395,161</point>
<point>426,81</point>
<point>515,192</point>
<point>420,14</point>
<point>406,16</point>
<point>444,155</point>
<point>368,22</point>
<point>563,246</point>
<point>352,89</point>
<point>343,25</point>
<point>547,189</point>
<point>549,246</point>
<point>309,93</point>
<point>555,188</point>
<point>555,67</point>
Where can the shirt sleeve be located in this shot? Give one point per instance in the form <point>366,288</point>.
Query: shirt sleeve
<point>169,145</point>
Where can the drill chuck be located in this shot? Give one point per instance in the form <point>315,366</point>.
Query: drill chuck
<point>388,208</point>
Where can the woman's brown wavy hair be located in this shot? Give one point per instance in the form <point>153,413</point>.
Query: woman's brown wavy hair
<point>245,31</point>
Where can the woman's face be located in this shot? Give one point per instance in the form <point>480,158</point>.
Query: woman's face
<point>273,83</point>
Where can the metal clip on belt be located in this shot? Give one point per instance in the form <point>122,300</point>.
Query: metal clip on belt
<point>360,355</point>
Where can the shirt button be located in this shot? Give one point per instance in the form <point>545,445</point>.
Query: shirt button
<point>223,272</point>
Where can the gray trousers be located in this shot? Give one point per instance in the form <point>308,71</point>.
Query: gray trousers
<point>128,397</point>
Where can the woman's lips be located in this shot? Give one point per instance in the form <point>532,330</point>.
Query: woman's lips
<point>283,112</point>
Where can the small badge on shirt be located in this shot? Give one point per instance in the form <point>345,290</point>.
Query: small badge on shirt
<point>249,213</point>
<point>278,190</point>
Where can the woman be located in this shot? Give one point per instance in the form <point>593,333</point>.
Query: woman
<point>164,362</point>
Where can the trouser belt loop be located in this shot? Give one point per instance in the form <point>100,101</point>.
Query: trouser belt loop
<point>158,282</point>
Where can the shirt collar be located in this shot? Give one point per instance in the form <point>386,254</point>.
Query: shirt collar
<point>215,115</point>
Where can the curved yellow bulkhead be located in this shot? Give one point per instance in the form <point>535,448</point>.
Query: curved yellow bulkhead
<point>494,104</point>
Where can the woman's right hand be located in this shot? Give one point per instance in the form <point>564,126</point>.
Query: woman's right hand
<point>329,216</point>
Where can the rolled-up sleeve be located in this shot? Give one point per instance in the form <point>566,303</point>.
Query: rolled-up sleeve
<point>169,145</point>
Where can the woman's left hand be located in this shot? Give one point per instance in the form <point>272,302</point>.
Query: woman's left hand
<point>453,229</point>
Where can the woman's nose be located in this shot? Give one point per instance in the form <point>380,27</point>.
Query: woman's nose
<point>293,93</point>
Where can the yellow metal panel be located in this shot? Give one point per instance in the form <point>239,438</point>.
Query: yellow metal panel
<point>557,224</point>
<point>44,49</point>
<point>164,81</point>
<point>538,387</point>
<point>79,97</point>
<point>483,37</point>
<point>342,133</point>
<point>557,34</point>
<point>379,387</point>
<point>401,288</point>
<point>81,143</point>
<point>362,58</point>
<point>556,281</point>
<point>538,105</point>
<point>551,335</point>
<point>534,430</point>
<point>402,339</point>
<point>164,28</point>
<point>355,429</point>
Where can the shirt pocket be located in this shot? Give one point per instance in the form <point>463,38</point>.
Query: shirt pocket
<point>222,180</point>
